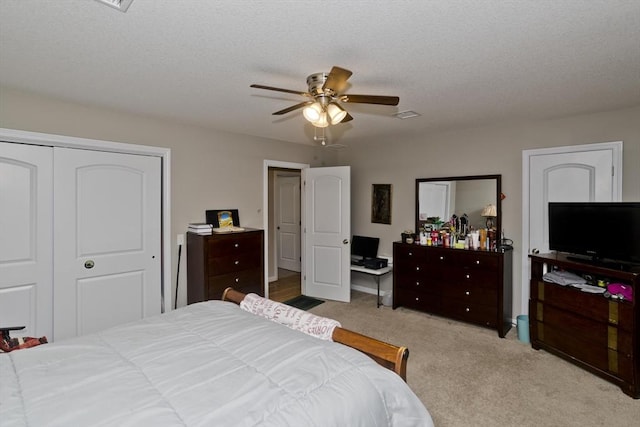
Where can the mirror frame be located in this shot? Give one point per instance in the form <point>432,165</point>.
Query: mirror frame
<point>498,178</point>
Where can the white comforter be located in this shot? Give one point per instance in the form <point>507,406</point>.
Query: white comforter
<point>208,364</point>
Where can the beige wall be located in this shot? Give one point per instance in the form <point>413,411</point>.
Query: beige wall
<point>210,169</point>
<point>213,169</point>
<point>479,151</point>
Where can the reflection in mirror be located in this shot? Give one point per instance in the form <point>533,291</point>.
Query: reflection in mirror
<point>472,201</point>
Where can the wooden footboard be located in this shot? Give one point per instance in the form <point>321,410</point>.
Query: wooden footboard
<point>390,356</point>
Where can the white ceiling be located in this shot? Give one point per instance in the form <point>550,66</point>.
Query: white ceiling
<point>458,63</point>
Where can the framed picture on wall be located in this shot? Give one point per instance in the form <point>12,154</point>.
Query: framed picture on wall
<point>381,203</point>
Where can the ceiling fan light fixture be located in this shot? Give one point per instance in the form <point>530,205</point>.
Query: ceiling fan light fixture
<point>336,113</point>
<point>322,122</point>
<point>313,112</point>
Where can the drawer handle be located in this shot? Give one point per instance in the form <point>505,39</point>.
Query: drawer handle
<point>417,268</point>
<point>410,253</point>
<point>467,309</point>
<point>417,299</point>
<point>237,279</point>
<point>478,261</point>
<point>468,276</point>
<point>237,245</point>
<point>237,262</point>
<point>418,283</point>
<point>441,258</point>
<point>467,293</point>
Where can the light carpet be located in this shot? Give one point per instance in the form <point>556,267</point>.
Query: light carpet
<point>468,376</point>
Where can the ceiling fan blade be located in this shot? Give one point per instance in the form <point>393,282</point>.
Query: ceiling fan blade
<point>347,118</point>
<point>277,89</point>
<point>293,107</point>
<point>337,79</point>
<point>370,99</point>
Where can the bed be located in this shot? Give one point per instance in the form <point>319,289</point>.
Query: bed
<point>207,364</point>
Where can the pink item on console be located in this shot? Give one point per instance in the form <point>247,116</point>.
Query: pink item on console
<point>624,291</point>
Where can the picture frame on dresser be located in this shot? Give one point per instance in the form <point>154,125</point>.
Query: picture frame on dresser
<point>220,218</point>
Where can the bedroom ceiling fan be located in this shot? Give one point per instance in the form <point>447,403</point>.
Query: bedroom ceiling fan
<point>325,94</point>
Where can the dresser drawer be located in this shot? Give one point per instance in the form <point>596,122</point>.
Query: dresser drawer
<point>470,311</point>
<point>233,243</point>
<point>578,346</point>
<point>478,260</point>
<point>419,284</point>
<point>233,263</point>
<point>473,277</point>
<point>241,281</point>
<point>470,293</point>
<point>584,330</point>
<point>417,300</point>
<point>593,306</point>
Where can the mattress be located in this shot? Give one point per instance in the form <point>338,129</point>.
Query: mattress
<point>207,364</point>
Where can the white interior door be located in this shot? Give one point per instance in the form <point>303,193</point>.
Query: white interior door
<point>327,213</point>
<point>288,222</point>
<point>107,267</point>
<point>26,287</point>
<point>565,174</point>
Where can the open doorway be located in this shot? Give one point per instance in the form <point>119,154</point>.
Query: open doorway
<point>283,233</point>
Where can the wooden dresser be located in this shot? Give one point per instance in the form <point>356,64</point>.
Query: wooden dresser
<point>469,285</point>
<point>217,261</point>
<point>599,334</point>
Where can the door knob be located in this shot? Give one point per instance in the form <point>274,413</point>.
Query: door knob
<point>345,242</point>
<point>89,264</point>
<point>535,251</point>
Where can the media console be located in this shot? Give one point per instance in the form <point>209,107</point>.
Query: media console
<point>592,331</point>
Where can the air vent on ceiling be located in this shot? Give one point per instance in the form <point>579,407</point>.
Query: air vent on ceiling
<point>406,114</point>
<point>121,5</point>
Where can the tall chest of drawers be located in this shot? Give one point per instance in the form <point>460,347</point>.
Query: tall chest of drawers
<point>467,285</point>
<point>592,331</point>
<point>218,261</point>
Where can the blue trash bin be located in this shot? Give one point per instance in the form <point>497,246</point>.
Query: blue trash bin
<point>523,328</point>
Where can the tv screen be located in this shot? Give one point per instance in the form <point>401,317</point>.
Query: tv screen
<point>365,247</point>
<point>599,230</point>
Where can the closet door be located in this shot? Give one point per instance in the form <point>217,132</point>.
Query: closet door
<point>107,265</point>
<point>26,238</point>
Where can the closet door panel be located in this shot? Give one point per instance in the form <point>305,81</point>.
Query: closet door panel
<point>107,240</point>
<point>26,238</point>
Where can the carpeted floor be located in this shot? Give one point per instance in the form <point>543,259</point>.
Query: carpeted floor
<point>303,302</point>
<point>468,376</point>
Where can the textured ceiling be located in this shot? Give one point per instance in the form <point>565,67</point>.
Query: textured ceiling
<point>458,63</point>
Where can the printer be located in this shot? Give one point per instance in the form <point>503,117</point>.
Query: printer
<point>375,263</point>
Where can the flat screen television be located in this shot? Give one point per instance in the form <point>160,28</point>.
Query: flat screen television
<point>597,232</point>
<point>364,247</point>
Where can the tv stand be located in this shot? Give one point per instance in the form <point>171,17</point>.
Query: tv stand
<point>596,333</point>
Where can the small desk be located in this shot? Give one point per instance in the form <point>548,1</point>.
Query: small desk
<point>373,272</point>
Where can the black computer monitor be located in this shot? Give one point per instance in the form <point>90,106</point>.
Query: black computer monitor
<point>364,247</point>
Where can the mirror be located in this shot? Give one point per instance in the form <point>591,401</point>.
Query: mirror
<point>468,197</point>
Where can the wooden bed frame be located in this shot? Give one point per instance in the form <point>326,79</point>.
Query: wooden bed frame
<point>388,355</point>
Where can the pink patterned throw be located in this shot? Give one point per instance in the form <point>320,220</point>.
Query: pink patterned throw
<point>294,318</point>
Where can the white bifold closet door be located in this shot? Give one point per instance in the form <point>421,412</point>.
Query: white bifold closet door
<point>103,211</point>
<point>26,260</point>
<point>107,257</point>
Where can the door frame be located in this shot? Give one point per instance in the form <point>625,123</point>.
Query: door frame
<point>265,212</point>
<point>614,146</point>
<point>51,140</point>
